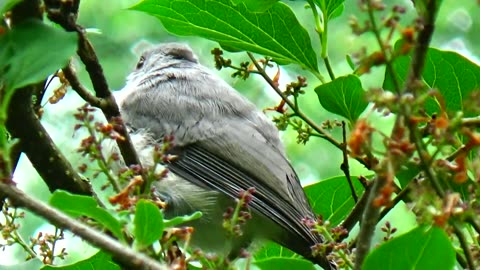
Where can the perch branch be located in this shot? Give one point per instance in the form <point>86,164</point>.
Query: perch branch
<point>122,253</point>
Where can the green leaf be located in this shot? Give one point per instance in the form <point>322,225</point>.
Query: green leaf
<point>256,5</point>
<point>79,205</point>
<point>332,8</point>
<point>343,96</point>
<point>454,76</point>
<point>272,249</point>
<point>32,51</point>
<point>7,5</point>
<point>284,263</point>
<point>100,260</point>
<point>332,198</point>
<point>182,219</point>
<point>29,53</point>
<point>31,264</point>
<point>422,248</point>
<point>275,32</point>
<point>148,223</point>
<point>406,173</point>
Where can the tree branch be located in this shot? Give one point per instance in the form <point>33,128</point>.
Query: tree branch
<point>344,166</point>
<point>356,213</point>
<point>53,167</point>
<point>65,14</point>
<point>72,78</point>
<point>122,253</point>
<point>23,123</point>
<point>322,132</point>
<point>369,222</point>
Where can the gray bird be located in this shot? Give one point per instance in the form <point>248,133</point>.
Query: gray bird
<point>224,145</point>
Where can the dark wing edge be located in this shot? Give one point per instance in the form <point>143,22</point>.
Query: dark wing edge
<point>201,167</point>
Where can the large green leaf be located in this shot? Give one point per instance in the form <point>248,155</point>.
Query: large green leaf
<point>79,205</point>
<point>275,32</point>
<point>343,96</point>
<point>332,8</point>
<point>407,173</point>
<point>32,51</point>
<point>256,5</point>
<point>100,260</point>
<point>181,219</point>
<point>284,263</point>
<point>332,198</point>
<point>454,76</point>
<point>271,249</point>
<point>148,223</point>
<point>29,53</point>
<point>422,248</point>
<point>31,264</point>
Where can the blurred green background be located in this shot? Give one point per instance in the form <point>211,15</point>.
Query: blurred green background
<point>116,31</point>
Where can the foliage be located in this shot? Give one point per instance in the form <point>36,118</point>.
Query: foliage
<point>427,158</point>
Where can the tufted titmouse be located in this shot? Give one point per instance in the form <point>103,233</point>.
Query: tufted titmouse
<point>224,145</point>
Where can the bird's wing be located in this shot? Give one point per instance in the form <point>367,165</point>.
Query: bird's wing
<point>239,158</point>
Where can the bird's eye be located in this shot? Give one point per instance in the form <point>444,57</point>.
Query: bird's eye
<point>140,62</point>
<point>178,56</point>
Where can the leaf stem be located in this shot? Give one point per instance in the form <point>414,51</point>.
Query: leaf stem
<point>345,167</point>
<point>322,31</point>
<point>376,32</point>
<point>327,136</point>
<point>322,132</point>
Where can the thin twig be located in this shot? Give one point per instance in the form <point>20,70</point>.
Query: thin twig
<point>297,111</point>
<point>66,16</point>
<point>326,60</point>
<point>415,73</point>
<point>401,196</point>
<point>376,32</point>
<point>461,260</point>
<point>72,78</point>
<point>322,32</point>
<point>122,253</point>
<point>24,124</point>
<point>474,223</point>
<point>36,143</point>
<point>344,167</point>
<point>88,56</point>
<point>10,222</point>
<point>369,222</point>
<point>471,121</point>
<point>460,151</point>
<point>464,244</point>
<point>356,214</point>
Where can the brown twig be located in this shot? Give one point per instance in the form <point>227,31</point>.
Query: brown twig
<point>356,214</point>
<point>35,142</point>
<point>474,223</point>
<point>465,245</point>
<point>326,135</point>
<point>369,222</point>
<point>401,196</point>
<point>111,110</point>
<point>414,75</point>
<point>65,14</point>
<point>344,166</point>
<point>471,121</point>
<point>376,32</point>
<point>24,124</point>
<point>122,253</point>
<point>403,120</point>
<point>72,78</point>
<point>297,112</point>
